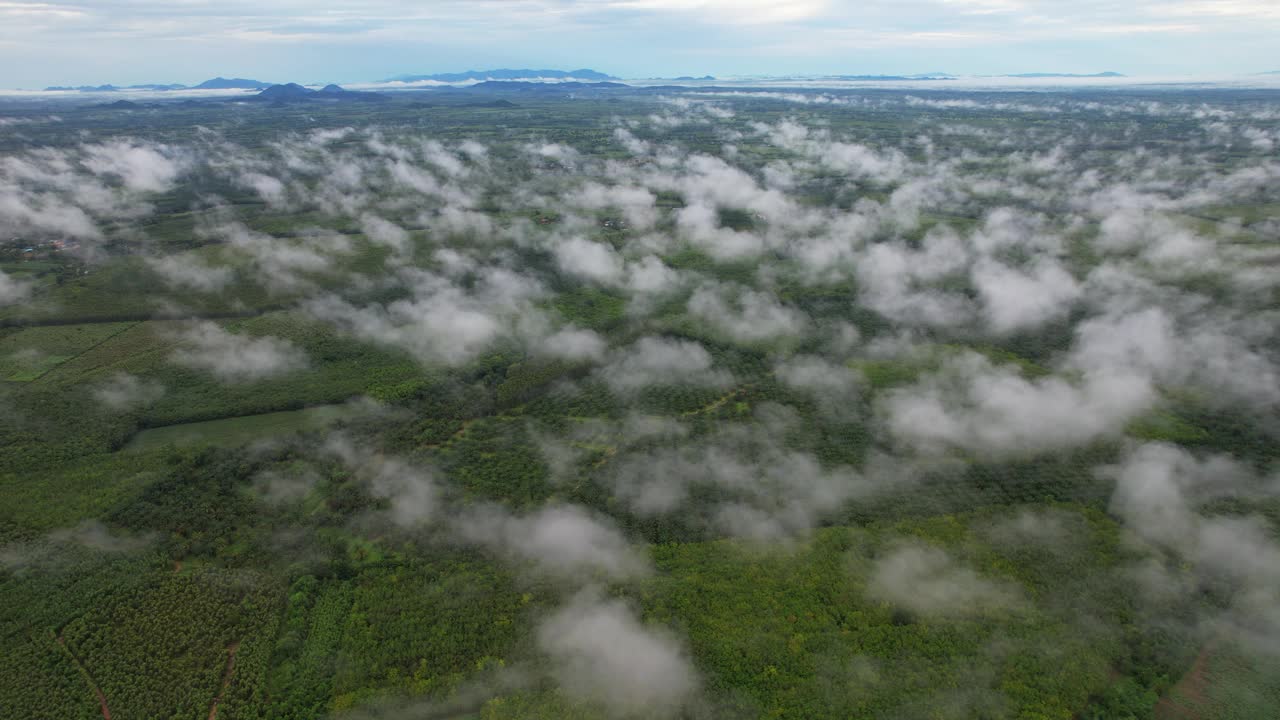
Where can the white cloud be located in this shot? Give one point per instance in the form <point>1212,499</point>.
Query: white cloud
<point>970,403</point>
<point>188,272</point>
<point>662,361</point>
<point>1021,299</point>
<point>928,581</point>
<point>124,392</point>
<point>602,653</point>
<point>13,291</point>
<point>589,260</point>
<point>442,321</point>
<point>563,541</point>
<point>746,316</point>
<point>236,358</point>
<point>141,167</point>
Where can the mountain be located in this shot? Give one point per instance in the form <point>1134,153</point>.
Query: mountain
<point>1066,75</point>
<point>507,74</point>
<point>884,78</point>
<point>541,87</point>
<point>218,83</point>
<point>289,92</point>
<point>688,78</point>
<point>293,92</point>
<point>83,88</point>
<point>221,83</point>
<point>118,105</point>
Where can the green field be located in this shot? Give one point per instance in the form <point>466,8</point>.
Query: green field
<point>231,432</point>
<point>28,354</point>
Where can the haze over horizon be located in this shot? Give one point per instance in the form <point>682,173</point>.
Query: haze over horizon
<point>118,41</point>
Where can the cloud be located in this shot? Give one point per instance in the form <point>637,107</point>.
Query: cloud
<point>94,535</point>
<point>1022,299</point>
<point>124,392</point>
<point>750,484</point>
<point>286,486</point>
<point>68,191</point>
<point>13,291</point>
<point>236,358</point>
<point>385,232</point>
<point>746,316</point>
<point>89,535</point>
<point>601,653</point>
<point>562,541</point>
<point>442,321</point>
<point>1158,239</point>
<point>897,281</point>
<point>834,387</point>
<point>662,361</point>
<point>650,276</point>
<point>1159,493</point>
<point>23,211</point>
<point>637,204</point>
<point>141,167</point>
<point>1158,487</point>
<point>972,404</point>
<point>927,581</point>
<point>188,272</point>
<point>858,160</point>
<point>563,450</point>
<point>413,497</point>
<point>589,260</point>
<point>272,191</point>
<point>1214,353</point>
<point>282,264</point>
<point>571,343</point>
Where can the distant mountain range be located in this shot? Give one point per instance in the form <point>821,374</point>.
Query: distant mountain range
<point>86,88</point>
<point>526,86</point>
<point>506,74</point>
<point>930,76</point>
<point>505,78</point>
<point>479,76</point>
<point>1066,75</point>
<point>218,83</point>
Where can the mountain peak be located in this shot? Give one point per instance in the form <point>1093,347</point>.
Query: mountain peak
<point>221,83</point>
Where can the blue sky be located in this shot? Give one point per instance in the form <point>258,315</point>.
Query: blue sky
<point>135,41</point>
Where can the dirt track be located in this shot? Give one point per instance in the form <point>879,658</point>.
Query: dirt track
<point>226,678</point>
<point>102,699</point>
<point>1186,699</point>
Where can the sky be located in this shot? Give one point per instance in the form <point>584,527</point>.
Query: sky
<point>187,41</point>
